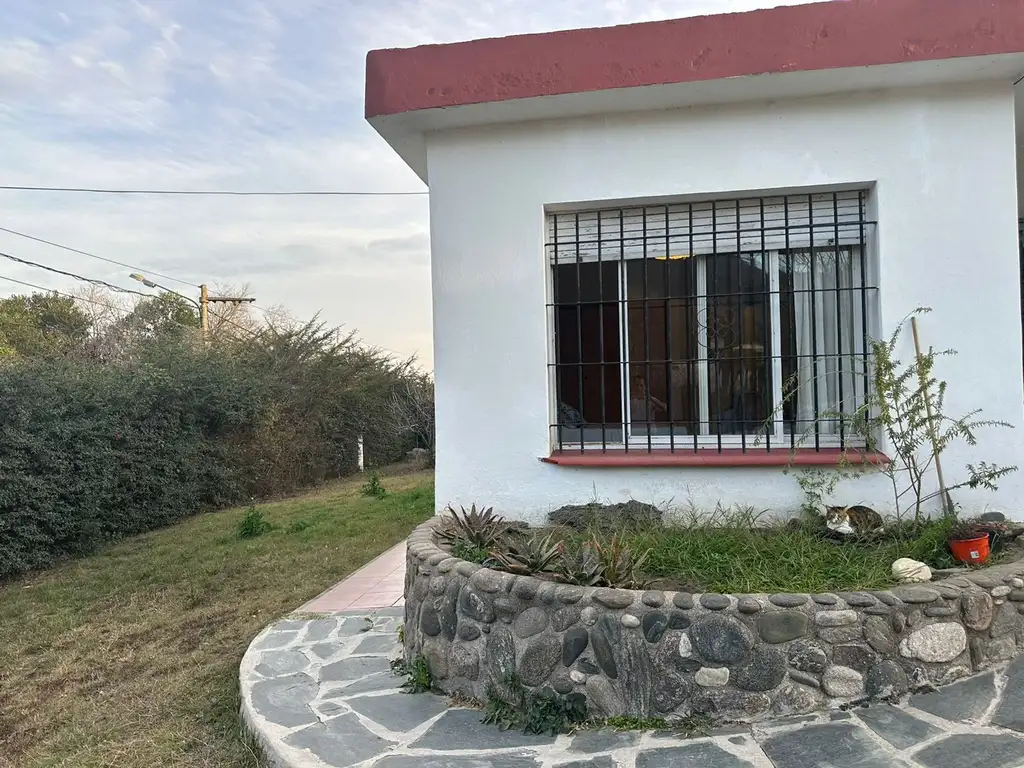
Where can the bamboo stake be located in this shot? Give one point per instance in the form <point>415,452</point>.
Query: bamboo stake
<point>947,502</point>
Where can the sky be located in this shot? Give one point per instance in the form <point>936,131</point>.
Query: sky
<point>246,95</point>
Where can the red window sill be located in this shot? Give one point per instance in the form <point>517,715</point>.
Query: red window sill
<point>727,457</point>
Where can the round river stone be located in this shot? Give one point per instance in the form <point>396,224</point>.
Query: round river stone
<point>782,626</point>
<point>721,639</point>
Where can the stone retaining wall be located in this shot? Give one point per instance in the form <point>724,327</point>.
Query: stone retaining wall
<point>739,657</point>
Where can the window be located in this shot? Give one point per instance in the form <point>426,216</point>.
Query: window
<point>711,325</point>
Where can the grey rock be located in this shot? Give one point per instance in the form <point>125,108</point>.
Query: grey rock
<point>878,610</point>
<point>712,677</point>
<point>561,682</point>
<point>804,678</point>
<point>325,650</point>
<point>721,639</point>
<point>398,711</point>
<point>381,681</point>
<point>506,607</point>
<point>588,667</point>
<point>1006,620</point>
<point>939,611</point>
<point>539,659</point>
<point>899,728</point>
<point>319,630</point>
<point>530,622</point>
<point>274,639</point>
<point>935,643</point>
<point>1017,596</point>
<point>842,682</point>
<point>788,601</point>
<point>730,704</point>
<point>765,671</point>
<point>782,626</point>
<point>469,632</point>
<point>448,610</point>
<point>461,729</point>
<point>606,517</point>
<point>525,588</point>
<point>850,634</point>
<point>285,701</point>
<point>947,591</point>
<point>1010,713</point>
<point>992,517</point>
<point>475,606</point>
<point>795,699</point>
<point>602,697</point>
<point>975,750</point>
<point>486,580</point>
<point>678,620</point>
<point>613,598</point>
<point>683,600</point>
<point>916,594</point>
<point>340,742</point>
<point>452,761</point>
<point>353,668</point>
<point>653,599</point>
<point>281,663</point>
<point>886,597</point>
<point>655,623</point>
<point>699,755</point>
<point>546,593</point>
<point>830,744</point>
<point>501,653</point>
<point>714,602</point>
<point>589,615</point>
<point>377,645</point>
<point>568,594</point>
<point>464,661</point>
<point>898,620</point>
<point>604,637</point>
<point>886,678</point>
<point>467,568</point>
<point>629,621</point>
<point>857,599</point>
<point>564,618</point>
<point>748,605</point>
<point>878,632</point>
<point>825,599</point>
<point>807,656</point>
<point>670,690</point>
<point>603,740</point>
<point>960,702</point>
<point>854,656</point>
<point>835,618</point>
<point>437,585</point>
<point>430,624</point>
<point>574,643</point>
<point>437,660</point>
<point>1001,648</point>
<point>595,762</point>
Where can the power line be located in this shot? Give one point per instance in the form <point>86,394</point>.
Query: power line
<point>56,271</point>
<point>94,256</point>
<point>65,295</point>
<point>209,192</point>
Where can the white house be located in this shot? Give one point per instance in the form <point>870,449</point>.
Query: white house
<point>659,250</point>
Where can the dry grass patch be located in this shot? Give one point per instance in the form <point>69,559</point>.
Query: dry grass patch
<point>129,658</point>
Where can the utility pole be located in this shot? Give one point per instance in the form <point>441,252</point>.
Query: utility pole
<point>203,305</point>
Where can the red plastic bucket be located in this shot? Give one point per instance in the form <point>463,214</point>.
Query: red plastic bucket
<point>970,551</point>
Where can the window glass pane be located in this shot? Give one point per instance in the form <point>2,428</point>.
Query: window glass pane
<point>662,346</point>
<point>587,351</point>
<point>739,344</point>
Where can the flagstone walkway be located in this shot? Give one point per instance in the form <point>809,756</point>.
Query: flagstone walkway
<point>319,693</point>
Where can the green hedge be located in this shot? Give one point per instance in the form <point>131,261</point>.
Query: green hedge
<point>91,451</point>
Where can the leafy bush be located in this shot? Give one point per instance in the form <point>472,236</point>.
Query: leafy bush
<point>98,446</point>
<point>374,488</point>
<point>254,524</point>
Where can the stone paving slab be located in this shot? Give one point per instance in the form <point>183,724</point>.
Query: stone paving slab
<point>318,693</point>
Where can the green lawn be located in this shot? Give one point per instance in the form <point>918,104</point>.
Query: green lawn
<point>129,658</point>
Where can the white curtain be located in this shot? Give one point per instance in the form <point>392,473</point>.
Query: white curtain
<point>829,336</point>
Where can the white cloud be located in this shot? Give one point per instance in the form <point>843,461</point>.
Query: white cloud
<point>246,94</point>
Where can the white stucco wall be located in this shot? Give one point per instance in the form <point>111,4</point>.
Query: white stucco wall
<point>941,160</point>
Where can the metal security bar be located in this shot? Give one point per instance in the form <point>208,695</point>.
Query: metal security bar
<point>726,324</point>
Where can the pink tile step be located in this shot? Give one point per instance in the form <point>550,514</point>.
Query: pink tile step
<point>378,584</point>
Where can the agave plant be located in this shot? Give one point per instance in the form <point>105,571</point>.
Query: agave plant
<point>526,555</point>
<point>582,567</point>
<point>620,566</point>
<point>481,529</point>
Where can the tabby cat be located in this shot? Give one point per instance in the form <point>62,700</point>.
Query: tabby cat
<point>854,519</point>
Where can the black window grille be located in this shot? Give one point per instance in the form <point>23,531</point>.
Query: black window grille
<point>727,324</point>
